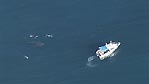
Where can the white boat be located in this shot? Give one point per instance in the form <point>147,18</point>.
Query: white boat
<point>106,50</point>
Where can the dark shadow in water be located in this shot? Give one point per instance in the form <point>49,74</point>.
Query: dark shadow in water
<point>36,43</point>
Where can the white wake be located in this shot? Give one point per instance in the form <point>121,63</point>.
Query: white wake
<point>91,62</point>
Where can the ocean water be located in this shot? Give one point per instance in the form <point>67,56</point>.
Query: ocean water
<point>76,29</point>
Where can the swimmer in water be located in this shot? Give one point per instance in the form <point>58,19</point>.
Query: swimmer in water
<point>26,57</point>
<point>31,36</point>
<point>36,36</point>
<point>49,35</point>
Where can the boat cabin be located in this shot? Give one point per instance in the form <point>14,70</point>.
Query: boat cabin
<point>102,50</point>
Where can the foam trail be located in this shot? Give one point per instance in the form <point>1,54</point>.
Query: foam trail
<point>91,61</point>
<point>91,58</point>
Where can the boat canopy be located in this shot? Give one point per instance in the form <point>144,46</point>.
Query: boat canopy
<point>103,48</point>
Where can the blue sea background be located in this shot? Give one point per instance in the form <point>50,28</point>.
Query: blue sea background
<point>78,27</point>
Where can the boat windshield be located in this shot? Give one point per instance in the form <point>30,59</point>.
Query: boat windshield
<point>103,48</point>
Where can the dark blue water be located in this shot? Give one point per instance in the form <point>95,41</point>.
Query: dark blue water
<point>78,27</point>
